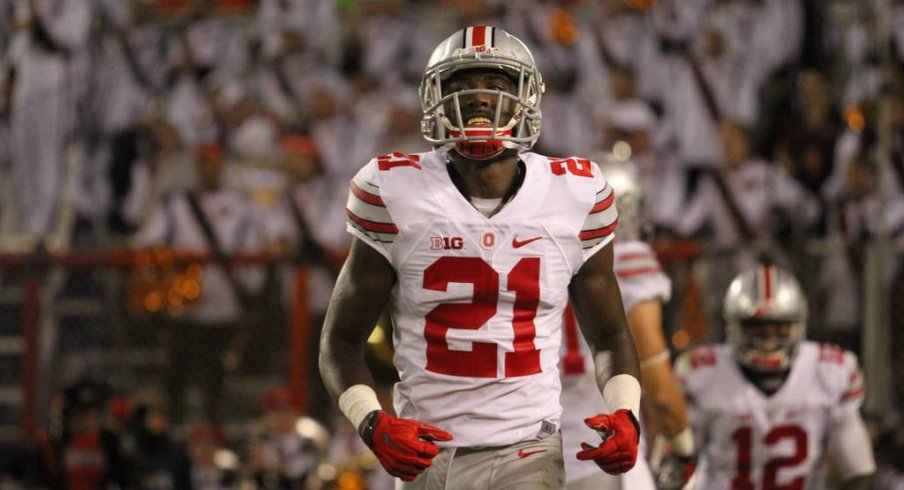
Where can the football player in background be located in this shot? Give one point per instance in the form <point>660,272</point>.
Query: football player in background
<point>644,288</point>
<point>476,247</point>
<point>768,406</point>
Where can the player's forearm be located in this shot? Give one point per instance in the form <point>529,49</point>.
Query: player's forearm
<point>342,364</point>
<point>360,295</point>
<point>663,399</point>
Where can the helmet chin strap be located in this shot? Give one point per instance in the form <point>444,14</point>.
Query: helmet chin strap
<point>483,149</point>
<point>479,150</point>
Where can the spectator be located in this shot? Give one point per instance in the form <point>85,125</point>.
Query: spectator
<point>307,221</point>
<point>205,466</point>
<point>283,457</point>
<point>221,221</point>
<point>48,43</point>
<point>147,442</point>
<point>807,136</point>
<point>76,451</point>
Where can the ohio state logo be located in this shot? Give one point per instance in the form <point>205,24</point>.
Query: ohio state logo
<point>488,240</point>
<point>446,243</point>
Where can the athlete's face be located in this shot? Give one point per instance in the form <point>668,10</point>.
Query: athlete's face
<point>767,336</point>
<point>479,109</point>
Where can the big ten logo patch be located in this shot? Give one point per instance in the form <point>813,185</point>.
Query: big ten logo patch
<point>446,243</point>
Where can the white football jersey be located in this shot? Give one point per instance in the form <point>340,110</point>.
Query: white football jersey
<point>640,278</point>
<point>748,439</point>
<point>477,306</point>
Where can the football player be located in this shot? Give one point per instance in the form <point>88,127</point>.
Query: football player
<point>476,247</point>
<point>644,288</point>
<point>768,406</point>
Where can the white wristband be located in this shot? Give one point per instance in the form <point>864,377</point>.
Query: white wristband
<point>663,356</point>
<point>623,391</point>
<point>683,443</point>
<point>358,401</point>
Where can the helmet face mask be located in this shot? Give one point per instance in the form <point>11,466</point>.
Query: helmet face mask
<point>767,346</point>
<point>765,312</point>
<point>512,122</point>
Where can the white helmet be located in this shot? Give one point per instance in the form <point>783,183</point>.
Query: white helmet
<point>622,175</point>
<point>765,295</point>
<point>483,48</point>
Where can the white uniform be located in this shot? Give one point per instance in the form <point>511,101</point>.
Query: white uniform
<point>640,279</point>
<point>478,305</point>
<point>43,107</point>
<point>750,440</point>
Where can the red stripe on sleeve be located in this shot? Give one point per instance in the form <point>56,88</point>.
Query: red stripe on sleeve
<point>591,234</point>
<point>634,255</point>
<point>372,225</point>
<point>366,196</point>
<point>637,272</point>
<point>852,394</point>
<point>604,204</point>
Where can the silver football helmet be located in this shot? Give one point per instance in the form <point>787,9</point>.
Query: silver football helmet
<point>756,299</point>
<point>481,48</point>
<point>623,176</point>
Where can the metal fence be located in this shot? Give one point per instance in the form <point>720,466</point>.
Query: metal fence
<point>118,317</point>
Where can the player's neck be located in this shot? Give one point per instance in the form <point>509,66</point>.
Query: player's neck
<point>486,179</point>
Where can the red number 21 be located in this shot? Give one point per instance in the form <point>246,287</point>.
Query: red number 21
<point>480,361</point>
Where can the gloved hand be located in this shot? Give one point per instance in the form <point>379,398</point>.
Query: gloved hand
<point>403,446</point>
<point>672,460</point>
<point>621,435</point>
<point>674,472</point>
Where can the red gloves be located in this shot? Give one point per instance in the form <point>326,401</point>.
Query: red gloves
<point>403,446</point>
<point>621,434</point>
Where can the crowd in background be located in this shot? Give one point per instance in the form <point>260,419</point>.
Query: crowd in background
<point>759,127</point>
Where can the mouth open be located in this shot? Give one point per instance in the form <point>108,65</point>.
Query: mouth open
<point>479,122</point>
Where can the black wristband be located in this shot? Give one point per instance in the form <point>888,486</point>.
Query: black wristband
<point>367,426</point>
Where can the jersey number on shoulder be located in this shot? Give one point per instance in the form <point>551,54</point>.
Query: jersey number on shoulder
<point>574,166</point>
<point>743,440</point>
<point>480,361</point>
<point>393,160</point>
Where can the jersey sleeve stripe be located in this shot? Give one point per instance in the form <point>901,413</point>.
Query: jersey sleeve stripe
<point>637,272</point>
<point>371,226</point>
<point>598,232</point>
<point>365,196</point>
<point>850,395</point>
<point>634,256</point>
<point>640,262</point>
<point>605,203</point>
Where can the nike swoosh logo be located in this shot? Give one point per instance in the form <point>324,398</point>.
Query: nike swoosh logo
<point>519,244</point>
<point>523,454</point>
